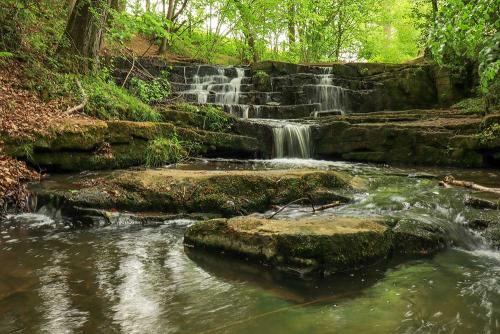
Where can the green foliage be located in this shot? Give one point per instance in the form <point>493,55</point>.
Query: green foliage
<point>32,29</point>
<point>106,100</point>
<point>471,106</point>
<point>215,118</point>
<point>393,36</point>
<point>490,134</point>
<point>125,26</point>
<point>5,54</point>
<point>50,84</point>
<point>109,101</point>
<point>299,30</point>
<point>468,32</point>
<point>151,91</point>
<point>163,151</point>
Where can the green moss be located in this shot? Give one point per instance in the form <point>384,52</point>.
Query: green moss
<point>262,81</point>
<point>210,117</point>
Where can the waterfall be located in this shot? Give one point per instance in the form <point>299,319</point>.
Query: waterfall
<point>292,140</point>
<point>225,90</point>
<point>329,96</point>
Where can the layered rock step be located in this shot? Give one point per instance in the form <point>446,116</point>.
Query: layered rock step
<point>322,245</point>
<point>273,111</point>
<point>422,137</point>
<point>353,88</point>
<point>83,144</point>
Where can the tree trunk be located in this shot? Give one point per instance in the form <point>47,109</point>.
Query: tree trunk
<point>168,13</point>
<point>148,6</point>
<point>119,5</point>
<point>434,9</point>
<point>70,5</point>
<point>84,31</point>
<point>291,25</point>
<point>253,49</point>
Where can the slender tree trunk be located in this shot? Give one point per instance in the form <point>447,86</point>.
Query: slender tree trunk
<point>148,6</point>
<point>84,31</point>
<point>248,32</point>
<point>434,9</point>
<point>291,25</point>
<point>170,15</point>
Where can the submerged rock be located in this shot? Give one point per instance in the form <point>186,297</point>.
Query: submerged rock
<point>478,202</point>
<point>489,229</point>
<point>226,193</point>
<point>319,245</point>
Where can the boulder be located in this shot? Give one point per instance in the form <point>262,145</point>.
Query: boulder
<point>316,245</point>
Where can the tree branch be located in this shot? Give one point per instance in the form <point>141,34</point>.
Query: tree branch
<point>85,100</point>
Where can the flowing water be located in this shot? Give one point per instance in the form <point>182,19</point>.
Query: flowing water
<point>330,97</point>
<point>138,278</point>
<point>226,90</point>
<point>292,140</point>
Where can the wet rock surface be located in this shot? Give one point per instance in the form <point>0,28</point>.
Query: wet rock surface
<point>317,245</point>
<point>227,193</point>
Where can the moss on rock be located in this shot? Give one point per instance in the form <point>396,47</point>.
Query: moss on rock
<point>76,144</point>
<point>228,193</point>
<point>322,245</point>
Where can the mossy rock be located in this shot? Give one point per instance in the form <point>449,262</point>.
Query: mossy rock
<point>229,193</point>
<point>317,245</point>
<point>76,145</point>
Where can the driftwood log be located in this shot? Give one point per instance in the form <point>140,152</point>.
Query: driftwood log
<point>449,181</point>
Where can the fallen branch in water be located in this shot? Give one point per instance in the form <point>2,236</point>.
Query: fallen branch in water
<point>287,205</point>
<point>314,209</point>
<point>85,100</point>
<point>329,206</point>
<point>449,181</point>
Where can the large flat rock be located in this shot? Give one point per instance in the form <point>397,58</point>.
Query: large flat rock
<point>226,193</point>
<point>324,245</point>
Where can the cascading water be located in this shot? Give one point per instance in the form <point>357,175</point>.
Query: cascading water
<point>226,91</point>
<point>330,97</point>
<point>292,140</point>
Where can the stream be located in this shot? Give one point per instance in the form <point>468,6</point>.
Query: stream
<point>132,277</point>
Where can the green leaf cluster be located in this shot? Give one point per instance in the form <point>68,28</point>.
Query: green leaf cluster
<point>151,91</point>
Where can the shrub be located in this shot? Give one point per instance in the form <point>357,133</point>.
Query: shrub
<point>471,106</point>
<point>151,91</point>
<point>162,151</point>
<point>109,101</point>
<point>215,118</point>
<point>490,134</point>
